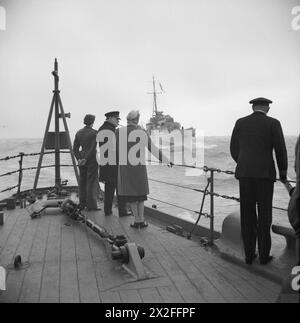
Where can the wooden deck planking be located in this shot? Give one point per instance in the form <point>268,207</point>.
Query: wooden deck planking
<point>241,285</point>
<point>184,288</point>
<point>111,297</point>
<point>88,286</point>
<point>69,289</point>
<point>150,295</point>
<point>170,294</point>
<point>130,296</point>
<point>120,282</point>
<point>226,289</point>
<point>6,229</point>
<point>207,291</point>
<point>72,264</point>
<point>266,288</point>
<point>51,273</point>
<point>30,291</point>
<point>13,243</point>
<point>269,287</point>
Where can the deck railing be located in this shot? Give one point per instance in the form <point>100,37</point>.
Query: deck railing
<point>210,190</point>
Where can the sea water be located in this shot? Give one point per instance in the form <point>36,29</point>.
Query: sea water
<point>216,154</point>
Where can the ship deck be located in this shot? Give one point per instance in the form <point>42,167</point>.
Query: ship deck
<point>67,262</point>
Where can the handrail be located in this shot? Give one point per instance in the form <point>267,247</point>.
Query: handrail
<point>217,170</point>
<point>206,169</point>
<point>29,155</point>
<point>236,199</point>
<point>177,185</point>
<point>32,168</point>
<point>180,207</point>
<point>10,188</point>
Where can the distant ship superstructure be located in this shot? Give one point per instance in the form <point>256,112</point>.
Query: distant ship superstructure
<point>159,121</point>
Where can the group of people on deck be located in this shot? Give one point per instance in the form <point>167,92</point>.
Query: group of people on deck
<point>130,182</point>
<point>254,140</point>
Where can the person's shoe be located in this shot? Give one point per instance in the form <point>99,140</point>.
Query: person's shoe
<point>124,213</point>
<point>108,214</point>
<point>139,225</point>
<point>95,209</point>
<point>266,261</point>
<point>249,261</point>
<point>143,224</point>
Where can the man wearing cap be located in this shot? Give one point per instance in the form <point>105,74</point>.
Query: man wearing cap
<point>86,156</point>
<point>109,173</point>
<point>253,141</point>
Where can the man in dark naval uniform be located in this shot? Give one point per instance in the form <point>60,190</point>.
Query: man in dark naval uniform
<point>253,141</point>
<point>89,180</point>
<point>109,173</point>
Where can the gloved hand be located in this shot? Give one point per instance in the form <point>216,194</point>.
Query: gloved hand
<point>283,175</point>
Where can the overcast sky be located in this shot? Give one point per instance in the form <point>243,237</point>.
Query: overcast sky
<point>211,57</point>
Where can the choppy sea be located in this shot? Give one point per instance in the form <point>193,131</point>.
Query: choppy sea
<point>216,154</point>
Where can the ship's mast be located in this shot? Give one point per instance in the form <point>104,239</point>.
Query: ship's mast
<point>57,138</point>
<point>155,93</point>
<point>154,114</point>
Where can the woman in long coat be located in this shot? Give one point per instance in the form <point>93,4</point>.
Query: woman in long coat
<point>132,172</point>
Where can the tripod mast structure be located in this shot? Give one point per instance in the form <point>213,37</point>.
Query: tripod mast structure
<point>57,141</point>
<point>155,93</point>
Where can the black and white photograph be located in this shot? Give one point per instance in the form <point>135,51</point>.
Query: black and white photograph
<point>150,154</point>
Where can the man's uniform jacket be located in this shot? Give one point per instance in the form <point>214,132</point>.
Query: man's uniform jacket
<point>253,140</point>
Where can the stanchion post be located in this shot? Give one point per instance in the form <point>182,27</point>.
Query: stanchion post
<point>212,208</point>
<point>20,174</point>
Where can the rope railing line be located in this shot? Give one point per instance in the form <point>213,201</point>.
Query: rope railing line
<point>209,169</point>
<point>279,208</point>
<point>31,154</point>
<point>10,173</point>
<point>177,185</point>
<point>179,207</point>
<point>9,189</point>
<point>204,168</point>
<point>47,166</point>
<point>32,168</point>
<point>226,197</point>
<point>178,165</point>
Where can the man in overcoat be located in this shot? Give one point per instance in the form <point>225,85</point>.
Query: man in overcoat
<point>109,171</point>
<point>254,139</point>
<point>85,152</point>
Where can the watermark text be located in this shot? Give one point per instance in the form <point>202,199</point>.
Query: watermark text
<point>180,147</point>
<point>296,20</point>
<point>296,278</point>
<point>2,19</point>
